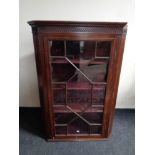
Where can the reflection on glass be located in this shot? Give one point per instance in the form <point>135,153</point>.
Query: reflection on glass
<point>79,75</point>
<point>80,49</point>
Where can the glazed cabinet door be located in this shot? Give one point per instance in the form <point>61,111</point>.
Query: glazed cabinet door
<point>78,72</point>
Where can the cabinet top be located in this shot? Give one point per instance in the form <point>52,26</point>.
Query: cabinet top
<point>77,26</point>
<point>74,23</point>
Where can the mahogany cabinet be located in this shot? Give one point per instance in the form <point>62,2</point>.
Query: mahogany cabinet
<point>78,68</point>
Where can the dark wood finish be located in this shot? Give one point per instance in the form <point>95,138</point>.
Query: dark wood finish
<point>43,32</point>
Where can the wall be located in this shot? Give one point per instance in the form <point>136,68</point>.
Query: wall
<point>81,10</point>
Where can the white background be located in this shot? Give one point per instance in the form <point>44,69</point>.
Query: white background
<point>81,10</point>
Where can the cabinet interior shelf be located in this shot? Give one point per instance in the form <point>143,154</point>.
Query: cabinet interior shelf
<point>78,86</point>
<point>79,61</point>
<point>77,108</point>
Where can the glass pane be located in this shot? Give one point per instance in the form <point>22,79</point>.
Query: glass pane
<point>78,93</point>
<point>96,70</point>
<point>82,55</point>
<point>98,94</point>
<point>78,126</point>
<point>78,100</point>
<point>60,130</point>
<point>96,129</point>
<point>80,49</point>
<point>93,117</point>
<point>62,70</point>
<point>103,49</point>
<point>63,118</point>
<point>57,48</point>
<point>79,76</point>
<point>59,94</point>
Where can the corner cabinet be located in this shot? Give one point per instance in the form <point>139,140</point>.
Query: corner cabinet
<point>78,68</point>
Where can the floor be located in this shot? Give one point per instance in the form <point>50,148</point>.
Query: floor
<point>31,142</point>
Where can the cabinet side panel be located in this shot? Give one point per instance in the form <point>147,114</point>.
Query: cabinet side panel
<point>118,62</point>
<point>38,62</point>
<point>40,66</point>
<point>110,85</point>
<point>113,82</point>
<point>48,112</point>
